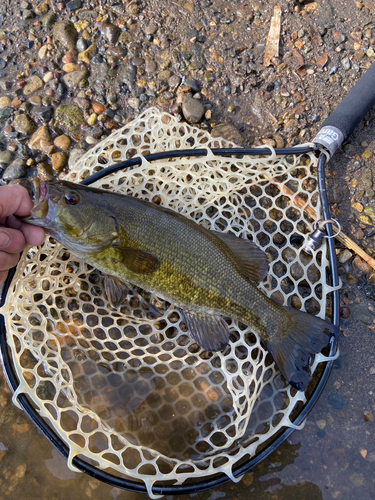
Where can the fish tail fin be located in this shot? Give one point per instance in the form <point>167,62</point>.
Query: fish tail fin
<point>299,337</point>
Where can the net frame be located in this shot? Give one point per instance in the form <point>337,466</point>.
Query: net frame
<point>237,470</point>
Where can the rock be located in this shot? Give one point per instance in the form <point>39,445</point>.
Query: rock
<point>43,113</point>
<point>45,172</point>
<point>87,54</point>
<point>65,33</point>
<point>97,107</point>
<point>82,103</point>
<point>133,9</point>
<point>344,256</point>
<point>33,84</point>
<point>351,279</point>
<point>5,101</point>
<point>109,31</point>
<point>192,109</point>
<point>229,133</point>
<point>48,19</point>
<point>62,142</point>
<point>24,124</point>
<point>72,79</point>
<point>6,157</point>
<point>5,113</point>
<point>360,266</point>
<point>134,102</point>
<point>41,8</point>
<point>361,313</point>
<point>69,117</point>
<point>75,155</point>
<point>41,140</point>
<point>370,211</point>
<point>150,66</point>
<point>59,160</point>
<point>16,170</point>
<point>70,67</point>
<point>36,100</point>
<point>74,5</point>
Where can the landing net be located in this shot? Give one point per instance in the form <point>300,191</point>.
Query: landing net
<point>128,390</point>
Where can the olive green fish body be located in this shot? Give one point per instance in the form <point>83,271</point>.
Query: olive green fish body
<point>208,275</point>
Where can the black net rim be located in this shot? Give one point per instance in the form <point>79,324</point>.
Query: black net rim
<point>239,470</point>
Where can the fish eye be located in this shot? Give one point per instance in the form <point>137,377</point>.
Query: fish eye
<point>71,198</point>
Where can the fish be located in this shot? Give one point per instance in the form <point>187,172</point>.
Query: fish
<point>206,274</point>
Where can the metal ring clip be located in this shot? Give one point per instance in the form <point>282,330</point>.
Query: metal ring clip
<point>329,221</point>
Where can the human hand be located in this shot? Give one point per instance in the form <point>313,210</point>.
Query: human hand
<point>15,235</point>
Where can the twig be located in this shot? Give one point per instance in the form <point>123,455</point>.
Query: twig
<point>273,38</point>
<point>341,237</point>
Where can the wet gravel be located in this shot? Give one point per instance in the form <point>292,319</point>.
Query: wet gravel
<point>72,72</point>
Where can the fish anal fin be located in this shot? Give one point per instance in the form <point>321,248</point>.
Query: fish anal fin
<point>116,290</point>
<point>253,260</point>
<point>292,349</point>
<point>138,261</point>
<point>209,332</point>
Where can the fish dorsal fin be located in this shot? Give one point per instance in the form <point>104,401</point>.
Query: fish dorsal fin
<point>116,290</point>
<point>253,260</point>
<point>209,332</point>
<point>136,260</point>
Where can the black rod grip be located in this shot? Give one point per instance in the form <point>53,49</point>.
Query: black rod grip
<point>340,124</point>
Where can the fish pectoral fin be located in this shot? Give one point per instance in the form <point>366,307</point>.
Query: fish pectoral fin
<point>209,332</point>
<point>252,259</point>
<point>116,290</point>
<point>136,260</point>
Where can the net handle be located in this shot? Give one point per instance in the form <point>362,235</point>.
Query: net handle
<point>340,124</point>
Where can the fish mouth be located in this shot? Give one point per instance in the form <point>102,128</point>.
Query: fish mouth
<point>38,191</point>
<point>39,194</point>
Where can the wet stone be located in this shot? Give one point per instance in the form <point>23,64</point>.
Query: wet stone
<point>24,124</point>
<point>69,117</point>
<point>82,103</point>
<point>62,142</point>
<point>48,19</point>
<point>361,313</point>
<point>41,140</point>
<point>360,266</point>
<point>16,170</point>
<point>73,5</point>
<point>73,79</point>
<point>6,157</point>
<point>65,33</point>
<point>45,172</point>
<point>33,84</point>
<point>86,55</point>
<point>5,101</point>
<point>44,113</point>
<point>41,8</point>
<point>5,113</point>
<point>344,256</point>
<point>59,160</point>
<point>192,109</point>
<point>228,132</point>
<point>109,31</point>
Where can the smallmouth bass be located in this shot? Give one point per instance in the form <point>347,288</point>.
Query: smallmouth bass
<point>208,275</point>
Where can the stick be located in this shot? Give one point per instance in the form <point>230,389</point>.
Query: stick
<point>345,240</point>
<point>273,38</point>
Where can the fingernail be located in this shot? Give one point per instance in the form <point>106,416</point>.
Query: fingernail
<point>4,239</point>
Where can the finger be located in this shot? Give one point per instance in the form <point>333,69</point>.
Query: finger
<point>3,276</point>
<point>8,260</point>
<point>34,235</point>
<point>11,240</point>
<point>14,199</point>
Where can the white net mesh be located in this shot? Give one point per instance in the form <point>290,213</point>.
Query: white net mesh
<point>128,389</point>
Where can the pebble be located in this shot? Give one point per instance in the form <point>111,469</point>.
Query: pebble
<point>360,266</point>
<point>65,33</point>
<point>370,211</point>
<point>48,77</point>
<point>361,313</point>
<point>70,67</point>
<point>59,160</point>
<point>41,8</point>
<point>97,107</point>
<point>5,101</point>
<point>16,170</point>
<point>48,19</point>
<point>192,109</point>
<point>109,31</point>
<point>33,84</point>
<point>24,124</point>
<point>134,102</point>
<point>6,157</point>
<point>368,417</point>
<point>228,132</point>
<point>62,142</point>
<point>73,5</point>
<point>73,79</point>
<point>69,117</point>
<point>41,140</point>
<point>344,256</point>
<point>45,172</point>
<point>82,103</point>
<point>86,55</point>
